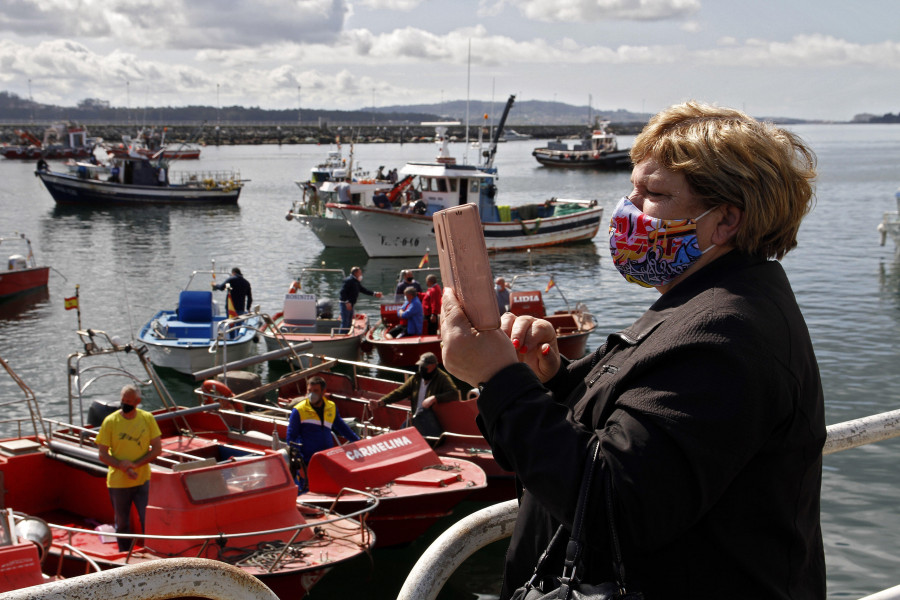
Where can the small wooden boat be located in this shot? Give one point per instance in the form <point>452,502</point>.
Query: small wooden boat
<point>308,317</point>
<point>573,325</point>
<point>198,334</point>
<point>22,273</point>
<point>600,152</point>
<point>209,497</point>
<point>140,181</point>
<point>399,352</point>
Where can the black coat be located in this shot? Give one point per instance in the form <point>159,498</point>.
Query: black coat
<point>710,416</point>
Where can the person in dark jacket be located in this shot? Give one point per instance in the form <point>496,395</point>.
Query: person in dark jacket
<point>241,292</point>
<point>350,291</point>
<point>429,385</point>
<point>708,410</point>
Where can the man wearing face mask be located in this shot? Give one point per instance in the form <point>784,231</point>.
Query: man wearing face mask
<point>314,422</point>
<point>427,386</point>
<point>406,281</point>
<point>128,441</point>
<point>707,411</point>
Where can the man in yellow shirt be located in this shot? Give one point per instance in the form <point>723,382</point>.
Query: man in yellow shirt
<point>128,441</point>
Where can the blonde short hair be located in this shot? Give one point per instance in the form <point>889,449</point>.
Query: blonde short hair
<point>728,157</point>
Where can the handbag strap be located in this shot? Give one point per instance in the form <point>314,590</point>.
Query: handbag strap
<point>576,539</point>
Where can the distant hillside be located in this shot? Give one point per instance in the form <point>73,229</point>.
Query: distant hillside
<point>91,110</point>
<point>528,112</point>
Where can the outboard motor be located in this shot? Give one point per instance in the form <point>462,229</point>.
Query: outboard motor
<point>99,411</point>
<point>324,309</point>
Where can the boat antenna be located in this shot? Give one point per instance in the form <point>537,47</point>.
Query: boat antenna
<point>468,87</point>
<point>498,132</point>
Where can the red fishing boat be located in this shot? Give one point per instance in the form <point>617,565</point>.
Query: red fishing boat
<point>351,385</point>
<point>61,141</point>
<point>22,273</point>
<point>573,325</point>
<point>414,484</point>
<point>399,352</point>
<point>209,497</point>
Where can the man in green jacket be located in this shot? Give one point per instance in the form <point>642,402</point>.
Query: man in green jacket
<point>428,385</point>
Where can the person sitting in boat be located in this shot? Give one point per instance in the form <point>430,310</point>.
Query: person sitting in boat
<point>431,304</point>
<point>430,384</point>
<point>381,200</point>
<point>407,280</point>
<point>241,291</point>
<point>412,313</point>
<point>313,423</point>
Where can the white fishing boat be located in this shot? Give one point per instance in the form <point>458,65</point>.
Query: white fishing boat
<point>306,317</point>
<point>334,181</point>
<point>444,183</point>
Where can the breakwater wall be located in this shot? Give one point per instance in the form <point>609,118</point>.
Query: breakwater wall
<point>300,133</point>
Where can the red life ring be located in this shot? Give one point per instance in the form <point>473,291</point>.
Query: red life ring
<point>295,287</point>
<point>216,391</point>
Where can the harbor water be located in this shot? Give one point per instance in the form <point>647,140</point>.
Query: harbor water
<point>131,262</point>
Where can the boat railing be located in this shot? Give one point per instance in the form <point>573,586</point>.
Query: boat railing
<point>34,410</point>
<point>208,179</point>
<point>357,518</point>
<point>494,523</point>
<point>163,578</point>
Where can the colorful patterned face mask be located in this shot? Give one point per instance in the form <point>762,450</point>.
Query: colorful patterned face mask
<point>649,251</point>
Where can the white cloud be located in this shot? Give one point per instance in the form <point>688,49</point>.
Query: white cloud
<point>398,5</point>
<point>575,11</point>
<point>803,51</point>
<point>189,24</point>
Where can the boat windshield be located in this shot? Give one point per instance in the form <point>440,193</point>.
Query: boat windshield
<point>217,483</point>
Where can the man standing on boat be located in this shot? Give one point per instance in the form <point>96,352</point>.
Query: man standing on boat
<point>313,423</point>
<point>406,281</point>
<point>350,294</point>
<point>241,292</point>
<point>128,441</point>
<point>431,304</point>
<point>429,385</point>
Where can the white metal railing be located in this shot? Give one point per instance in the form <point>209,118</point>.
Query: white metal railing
<point>441,559</point>
<point>163,578</point>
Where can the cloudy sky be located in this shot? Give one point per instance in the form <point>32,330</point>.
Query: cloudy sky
<point>823,59</point>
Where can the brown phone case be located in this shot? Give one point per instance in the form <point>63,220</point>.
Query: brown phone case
<point>464,264</point>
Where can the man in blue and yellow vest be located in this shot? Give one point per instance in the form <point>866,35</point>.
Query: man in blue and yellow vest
<point>313,420</point>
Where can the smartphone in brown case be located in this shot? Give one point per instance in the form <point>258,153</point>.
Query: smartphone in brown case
<point>464,264</point>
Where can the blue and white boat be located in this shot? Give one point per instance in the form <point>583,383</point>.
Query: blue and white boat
<point>198,334</point>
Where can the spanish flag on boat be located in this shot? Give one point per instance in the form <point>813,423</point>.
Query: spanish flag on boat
<point>424,260</point>
<point>550,284</point>
<point>71,303</point>
<point>231,312</point>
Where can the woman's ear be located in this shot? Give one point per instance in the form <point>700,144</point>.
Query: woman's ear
<point>729,221</point>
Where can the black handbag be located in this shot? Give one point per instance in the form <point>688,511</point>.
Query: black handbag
<point>570,586</point>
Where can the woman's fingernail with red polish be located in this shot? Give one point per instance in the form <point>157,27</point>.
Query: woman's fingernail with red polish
<point>545,350</point>
<point>523,349</point>
<point>516,343</point>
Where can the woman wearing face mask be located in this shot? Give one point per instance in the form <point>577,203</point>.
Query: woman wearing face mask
<point>429,385</point>
<point>708,409</point>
